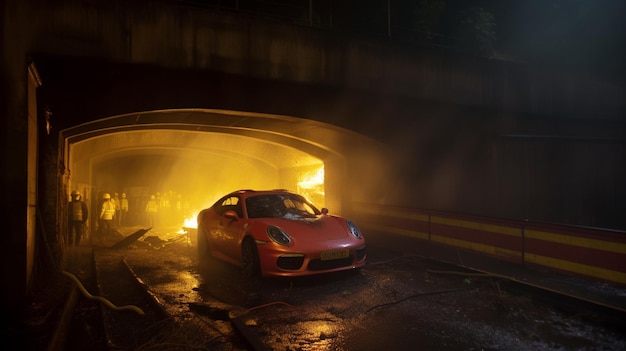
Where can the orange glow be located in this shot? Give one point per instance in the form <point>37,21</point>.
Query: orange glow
<point>311,186</point>
<point>312,180</point>
<point>191,222</point>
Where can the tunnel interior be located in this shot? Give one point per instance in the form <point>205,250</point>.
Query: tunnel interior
<point>193,157</point>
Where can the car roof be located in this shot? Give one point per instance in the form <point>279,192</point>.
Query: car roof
<point>247,192</point>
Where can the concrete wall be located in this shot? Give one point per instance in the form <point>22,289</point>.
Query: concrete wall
<point>162,34</point>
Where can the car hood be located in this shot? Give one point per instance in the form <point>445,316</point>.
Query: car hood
<point>325,227</point>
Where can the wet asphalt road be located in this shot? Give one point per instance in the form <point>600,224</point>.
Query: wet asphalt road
<point>396,302</point>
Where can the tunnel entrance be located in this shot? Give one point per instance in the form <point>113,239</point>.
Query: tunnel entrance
<point>191,157</point>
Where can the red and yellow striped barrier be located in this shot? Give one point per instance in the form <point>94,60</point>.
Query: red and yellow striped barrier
<point>590,252</point>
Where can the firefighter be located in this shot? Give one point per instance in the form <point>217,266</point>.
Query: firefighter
<point>77,217</point>
<point>115,200</point>
<point>123,210</point>
<point>107,212</point>
<point>152,210</point>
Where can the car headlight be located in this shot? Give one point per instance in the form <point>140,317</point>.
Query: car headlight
<point>354,229</point>
<point>278,236</point>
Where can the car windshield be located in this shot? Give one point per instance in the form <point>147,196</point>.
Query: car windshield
<point>289,206</point>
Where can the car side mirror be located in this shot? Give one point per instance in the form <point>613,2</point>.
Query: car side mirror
<point>324,211</point>
<point>231,215</point>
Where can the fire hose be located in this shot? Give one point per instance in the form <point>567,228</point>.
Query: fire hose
<point>106,302</point>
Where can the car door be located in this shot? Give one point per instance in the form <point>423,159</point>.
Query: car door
<point>230,228</point>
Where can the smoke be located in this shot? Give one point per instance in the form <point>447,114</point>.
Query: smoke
<point>197,168</point>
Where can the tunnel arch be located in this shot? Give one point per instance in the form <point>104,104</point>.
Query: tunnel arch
<point>216,151</point>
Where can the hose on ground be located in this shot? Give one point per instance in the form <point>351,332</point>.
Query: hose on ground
<point>413,296</point>
<point>106,302</point>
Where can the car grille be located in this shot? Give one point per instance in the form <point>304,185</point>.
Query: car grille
<point>289,262</point>
<point>317,265</point>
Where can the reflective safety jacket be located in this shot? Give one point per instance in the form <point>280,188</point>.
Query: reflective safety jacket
<point>108,211</point>
<point>78,211</point>
<point>152,206</point>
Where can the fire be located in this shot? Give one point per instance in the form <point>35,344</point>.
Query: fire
<point>313,180</point>
<point>190,222</point>
<point>311,185</point>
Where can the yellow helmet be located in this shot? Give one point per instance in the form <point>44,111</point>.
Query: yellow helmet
<point>106,196</point>
<point>75,193</point>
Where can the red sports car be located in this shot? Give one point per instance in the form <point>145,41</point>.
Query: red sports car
<point>278,233</point>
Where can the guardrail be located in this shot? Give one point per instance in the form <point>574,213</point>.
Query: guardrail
<point>590,252</point>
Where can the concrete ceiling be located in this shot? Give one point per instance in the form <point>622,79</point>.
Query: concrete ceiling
<point>279,140</point>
